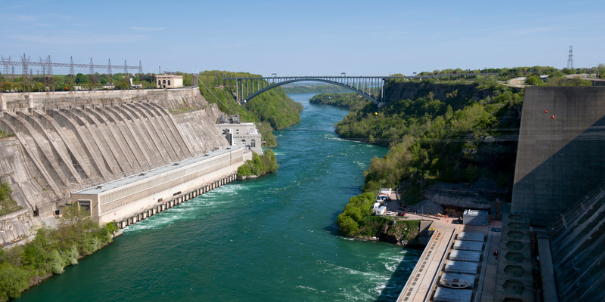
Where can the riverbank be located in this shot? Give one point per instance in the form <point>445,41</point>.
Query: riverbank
<point>253,240</point>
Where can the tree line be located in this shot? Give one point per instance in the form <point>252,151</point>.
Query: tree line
<point>120,81</point>
<point>75,236</point>
<point>271,110</point>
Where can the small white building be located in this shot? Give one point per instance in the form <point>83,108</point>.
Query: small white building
<point>381,211</point>
<point>475,217</point>
<point>168,81</point>
<point>385,191</point>
<point>244,134</point>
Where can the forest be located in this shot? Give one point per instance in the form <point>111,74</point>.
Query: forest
<point>455,140</point>
<point>271,110</point>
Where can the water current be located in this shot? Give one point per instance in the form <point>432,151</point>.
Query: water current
<point>269,239</point>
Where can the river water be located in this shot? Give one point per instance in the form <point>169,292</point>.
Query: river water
<point>267,239</point>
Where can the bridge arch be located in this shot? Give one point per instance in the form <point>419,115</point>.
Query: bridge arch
<point>360,92</point>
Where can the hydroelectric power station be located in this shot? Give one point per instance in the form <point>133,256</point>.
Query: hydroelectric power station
<point>120,154</point>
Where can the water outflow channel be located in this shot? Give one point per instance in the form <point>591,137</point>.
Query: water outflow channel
<point>267,239</point>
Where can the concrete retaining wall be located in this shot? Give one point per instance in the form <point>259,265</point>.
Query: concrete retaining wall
<point>160,206</point>
<point>560,153</point>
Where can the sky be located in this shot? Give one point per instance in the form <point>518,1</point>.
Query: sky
<point>312,38</point>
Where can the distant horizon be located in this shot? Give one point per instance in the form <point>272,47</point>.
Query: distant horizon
<point>306,38</point>
<point>37,72</point>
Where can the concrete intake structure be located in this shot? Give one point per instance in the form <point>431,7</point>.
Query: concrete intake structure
<point>56,143</point>
<point>120,198</point>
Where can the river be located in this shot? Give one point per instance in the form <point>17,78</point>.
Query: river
<point>266,239</point>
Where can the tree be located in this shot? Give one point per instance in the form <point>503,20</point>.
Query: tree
<point>13,281</point>
<point>600,70</point>
<point>123,84</point>
<point>347,225</point>
<point>81,79</point>
<point>533,80</point>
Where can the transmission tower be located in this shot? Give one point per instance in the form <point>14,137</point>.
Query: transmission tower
<point>49,71</point>
<point>570,58</point>
<point>109,71</point>
<point>24,70</point>
<point>92,71</point>
<point>6,64</point>
<point>72,69</point>
<point>125,68</point>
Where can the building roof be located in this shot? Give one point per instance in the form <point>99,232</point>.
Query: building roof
<point>472,256</point>
<point>109,186</point>
<point>463,267</point>
<point>453,295</point>
<point>470,212</point>
<point>469,236</point>
<point>468,245</point>
<point>168,76</point>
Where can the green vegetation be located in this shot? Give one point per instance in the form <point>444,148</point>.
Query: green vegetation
<point>356,221</point>
<point>7,204</point>
<point>86,82</point>
<point>50,251</point>
<point>349,100</point>
<point>270,110</point>
<point>455,139</point>
<point>312,88</point>
<point>4,134</point>
<point>504,74</point>
<point>259,165</point>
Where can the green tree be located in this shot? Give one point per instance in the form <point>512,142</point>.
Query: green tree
<point>81,79</point>
<point>13,281</point>
<point>123,84</point>
<point>347,225</point>
<point>533,80</point>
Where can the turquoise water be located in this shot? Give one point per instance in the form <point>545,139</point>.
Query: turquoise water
<point>267,239</point>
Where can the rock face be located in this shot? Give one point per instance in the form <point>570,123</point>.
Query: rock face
<point>61,142</point>
<point>399,232</point>
<point>427,207</point>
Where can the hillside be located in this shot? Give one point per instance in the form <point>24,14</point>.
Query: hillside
<point>442,134</point>
<point>270,110</point>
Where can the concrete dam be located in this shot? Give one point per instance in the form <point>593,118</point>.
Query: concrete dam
<point>560,183</point>
<point>57,144</point>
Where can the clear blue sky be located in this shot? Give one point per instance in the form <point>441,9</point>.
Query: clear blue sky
<point>306,37</point>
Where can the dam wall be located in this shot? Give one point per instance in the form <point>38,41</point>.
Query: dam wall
<point>560,183</point>
<point>577,241</point>
<point>560,153</point>
<point>53,144</point>
<point>172,99</point>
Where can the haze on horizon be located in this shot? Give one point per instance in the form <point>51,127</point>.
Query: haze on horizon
<point>306,37</point>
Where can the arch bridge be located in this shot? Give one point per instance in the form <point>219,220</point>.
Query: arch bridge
<point>370,87</point>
